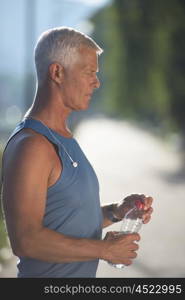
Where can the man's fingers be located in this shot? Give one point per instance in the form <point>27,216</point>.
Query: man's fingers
<point>135,247</point>
<point>146,219</point>
<point>147,202</point>
<point>133,254</point>
<point>133,237</point>
<point>127,262</point>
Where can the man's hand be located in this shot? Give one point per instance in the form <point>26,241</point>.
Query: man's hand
<point>121,248</point>
<point>129,202</point>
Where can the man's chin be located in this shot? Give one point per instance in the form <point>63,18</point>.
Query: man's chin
<point>84,107</point>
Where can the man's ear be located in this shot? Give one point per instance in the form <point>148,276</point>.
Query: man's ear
<point>56,72</point>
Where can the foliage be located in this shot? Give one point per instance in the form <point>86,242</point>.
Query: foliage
<point>143,62</point>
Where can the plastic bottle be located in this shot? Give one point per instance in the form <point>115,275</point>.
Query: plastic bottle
<point>131,223</point>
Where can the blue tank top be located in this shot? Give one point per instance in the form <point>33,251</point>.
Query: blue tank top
<point>72,206</point>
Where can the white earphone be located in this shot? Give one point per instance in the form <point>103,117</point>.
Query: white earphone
<point>74,163</point>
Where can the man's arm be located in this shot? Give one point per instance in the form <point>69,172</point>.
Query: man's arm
<point>115,212</point>
<point>110,214</point>
<point>27,168</point>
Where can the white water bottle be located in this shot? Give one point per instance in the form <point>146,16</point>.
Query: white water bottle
<point>131,223</point>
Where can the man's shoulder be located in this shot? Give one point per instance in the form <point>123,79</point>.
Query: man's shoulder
<point>27,142</point>
<point>27,154</point>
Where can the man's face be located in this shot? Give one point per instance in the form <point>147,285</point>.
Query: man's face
<point>80,80</point>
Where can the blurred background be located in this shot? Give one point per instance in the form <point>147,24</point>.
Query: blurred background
<point>134,131</point>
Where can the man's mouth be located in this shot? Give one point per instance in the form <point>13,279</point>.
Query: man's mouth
<point>90,94</point>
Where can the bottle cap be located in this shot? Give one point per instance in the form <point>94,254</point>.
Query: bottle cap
<point>139,204</point>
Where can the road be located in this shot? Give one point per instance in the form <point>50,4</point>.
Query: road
<point>129,160</point>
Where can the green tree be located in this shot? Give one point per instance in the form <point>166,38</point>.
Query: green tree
<point>143,64</point>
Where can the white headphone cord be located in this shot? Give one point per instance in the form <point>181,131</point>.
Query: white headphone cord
<point>74,163</point>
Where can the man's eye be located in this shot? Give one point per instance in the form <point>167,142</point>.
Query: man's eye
<point>90,72</point>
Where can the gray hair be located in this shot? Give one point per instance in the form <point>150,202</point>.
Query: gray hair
<point>60,45</point>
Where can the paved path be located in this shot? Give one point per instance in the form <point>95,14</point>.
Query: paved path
<point>129,160</point>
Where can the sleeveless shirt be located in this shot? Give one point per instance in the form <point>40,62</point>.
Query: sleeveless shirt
<point>72,206</point>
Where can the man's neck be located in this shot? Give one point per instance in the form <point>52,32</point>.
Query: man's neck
<point>51,112</point>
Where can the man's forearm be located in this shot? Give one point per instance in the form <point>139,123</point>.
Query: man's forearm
<point>110,215</point>
<point>51,246</point>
